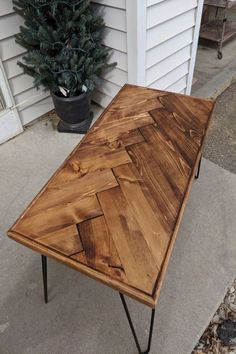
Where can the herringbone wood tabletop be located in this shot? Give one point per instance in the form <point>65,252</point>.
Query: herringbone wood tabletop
<point>113,209</point>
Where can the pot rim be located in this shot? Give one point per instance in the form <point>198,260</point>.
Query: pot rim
<point>70,99</point>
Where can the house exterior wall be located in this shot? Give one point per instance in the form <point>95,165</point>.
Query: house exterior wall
<point>115,37</point>
<point>153,41</point>
<point>171,26</point>
<point>21,85</point>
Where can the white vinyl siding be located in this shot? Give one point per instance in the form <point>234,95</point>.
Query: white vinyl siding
<point>170,34</point>
<point>115,37</point>
<point>169,47</point>
<point>168,65</point>
<point>21,85</point>
<point>119,4</point>
<point>6,7</point>
<point>167,10</point>
<point>9,49</point>
<point>167,80</point>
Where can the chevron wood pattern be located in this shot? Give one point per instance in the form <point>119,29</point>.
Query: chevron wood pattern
<point>113,209</point>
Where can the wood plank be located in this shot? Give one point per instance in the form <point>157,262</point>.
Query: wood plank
<point>167,202</point>
<point>94,158</point>
<point>137,261</point>
<point>116,136</point>
<point>141,204</point>
<point>135,109</point>
<point>40,222</point>
<point>192,109</point>
<point>193,130</point>
<point>99,249</point>
<point>80,185</point>
<point>128,117</point>
<point>169,158</point>
<point>178,137</point>
<point>128,138</point>
<point>89,169</point>
<point>65,240</point>
<point>135,112</point>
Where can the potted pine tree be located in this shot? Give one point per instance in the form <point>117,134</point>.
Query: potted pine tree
<point>64,55</point>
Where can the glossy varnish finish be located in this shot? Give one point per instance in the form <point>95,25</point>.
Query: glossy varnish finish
<point>113,209</point>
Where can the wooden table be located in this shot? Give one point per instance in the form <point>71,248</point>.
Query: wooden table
<point>113,209</point>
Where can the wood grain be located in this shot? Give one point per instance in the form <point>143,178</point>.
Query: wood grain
<point>136,258</point>
<point>99,251</point>
<point>155,235</point>
<point>65,240</point>
<point>56,217</point>
<point>113,209</point>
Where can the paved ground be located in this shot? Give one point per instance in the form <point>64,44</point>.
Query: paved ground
<point>221,144</point>
<point>83,316</point>
<point>214,340</point>
<point>212,75</point>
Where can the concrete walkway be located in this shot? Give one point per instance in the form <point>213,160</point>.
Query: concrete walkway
<point>221,142</point>
<point>84,316</point>
<point>212,76</point>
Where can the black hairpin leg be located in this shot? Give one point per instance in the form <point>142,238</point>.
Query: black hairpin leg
<point>45,280</point>
<point>199,167</point>
<point>133,330</point>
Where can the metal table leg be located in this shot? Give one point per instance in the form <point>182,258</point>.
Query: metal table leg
<point>45,287</point>
<point>133,330</point>
<point>45,280</point>
<point>199,168</point>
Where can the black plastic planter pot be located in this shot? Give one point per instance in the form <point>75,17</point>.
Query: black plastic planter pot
<point>74,113</point>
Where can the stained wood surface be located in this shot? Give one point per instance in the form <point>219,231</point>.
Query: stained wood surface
<point>113,209</point>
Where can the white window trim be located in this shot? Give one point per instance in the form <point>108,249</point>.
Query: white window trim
<point>136,41</point>
<point>10,123</point>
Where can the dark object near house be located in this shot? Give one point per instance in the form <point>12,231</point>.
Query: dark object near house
<point>74,113</point>
<point>220,29</point>
<point>65,54</point>
<point>227,333</point>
